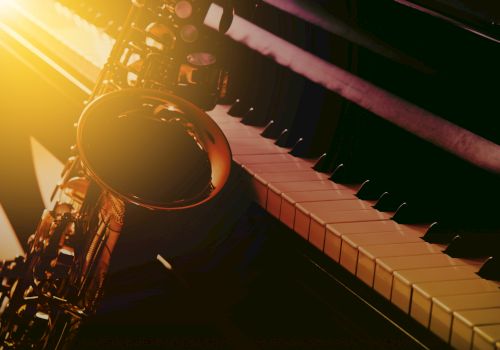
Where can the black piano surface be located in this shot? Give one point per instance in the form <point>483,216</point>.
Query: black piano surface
<point>243,280</point>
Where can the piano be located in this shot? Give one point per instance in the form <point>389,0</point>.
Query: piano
<point>365,135</point>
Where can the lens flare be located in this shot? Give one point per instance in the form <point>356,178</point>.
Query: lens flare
<point>4,5</point>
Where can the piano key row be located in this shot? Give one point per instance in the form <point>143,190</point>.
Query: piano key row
<point>391,258</point>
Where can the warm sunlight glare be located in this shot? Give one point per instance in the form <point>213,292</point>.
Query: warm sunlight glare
<point>4,4</point>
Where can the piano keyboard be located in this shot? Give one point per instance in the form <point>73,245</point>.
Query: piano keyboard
<point>442,293</point>
<point>435,289</point>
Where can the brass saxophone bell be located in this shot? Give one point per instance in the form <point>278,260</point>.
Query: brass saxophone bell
<point>153,149</point>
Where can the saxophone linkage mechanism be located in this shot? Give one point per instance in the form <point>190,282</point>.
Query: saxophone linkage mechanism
<point>139,141</point>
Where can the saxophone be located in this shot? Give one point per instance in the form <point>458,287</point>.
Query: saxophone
<point>170,156</point>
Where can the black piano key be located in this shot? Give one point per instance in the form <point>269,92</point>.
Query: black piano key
<point>340,149</point>
<point>320,110</point>
<point>264,74</point>
<point>343,174</point>
<point>246,82</point>
<point>255,80</point>
<point>283,101</point>
<point>322,164</point>
<point>268,129</point>
<point>286,100</point>
<point>251,117</point>
<point>349,144</point>
<point>465,247</point>
<point>474,243</point>
<point>491,268</point>
<point>410,214</point>
<point>388,202</point>
<point>282,140</point>
<point>238,108</point>
<point>308,111</point>
<point>316,119</point>
<point>262,100</point>
<point>288,85</point>
<point>369,191</point>
<point>340,174</point>
<point>300,149</point>
<point>403,215</point>
<point>439,233</point>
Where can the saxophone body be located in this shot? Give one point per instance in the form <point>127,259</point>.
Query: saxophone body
<point>138,142</point>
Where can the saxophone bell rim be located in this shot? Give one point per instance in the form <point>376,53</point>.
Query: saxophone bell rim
<point>218,148</point>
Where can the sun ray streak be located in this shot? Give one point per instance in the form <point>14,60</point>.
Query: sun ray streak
<point>10,246</point>
<point>47,170</point>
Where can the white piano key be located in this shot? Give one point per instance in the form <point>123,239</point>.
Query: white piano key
<point>277,189</point>
<point>234,125</point>
<point>261,181</point>
<point>256,149</point>
<point>373,227</point>
<point>304,210</point>
<point>388,265</point>
<point>403,281</point>
<point>404,296</point>
<point>351,243</point>
<point>421,300</point>
<point>294,165</point>
<point>255,142</point>
<point>219,110</point>
<point>234,133</point>
<point>444,307</point>
<point>334,233</point>
<point>267,158</point>
<point>219,115</point>
<point>254,145</point>
<point>290,199</point>
<point>486,337</point>
<point>464,322</point>
<point>318,226</point>
<point>367,255</point>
